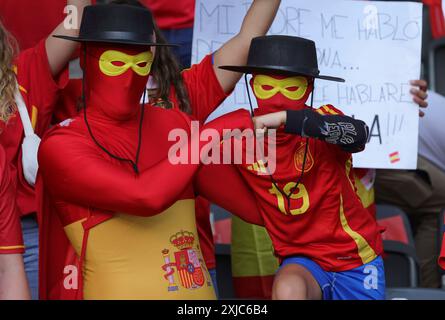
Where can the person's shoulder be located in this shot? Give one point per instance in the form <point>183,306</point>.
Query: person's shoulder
<point>205,64</point>
<point>329,109</point>
<point>68,130</point>
<point>25,57</point>
<point>172,118</point>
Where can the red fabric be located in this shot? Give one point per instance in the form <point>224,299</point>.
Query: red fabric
<point>68,104</point>
<point>115,97</point>
<point>19,17</point>
<point>442,254</point>
<point>317,233</point>
<point>279,102</point>
<point>34,75</point>
<point>11,240</point>
<point>205,94</point>
<point>394,229</point>
<point>95,182</point>
<point>437,20</point>
<point>259,287</point>
<point>172,14</point>
<point>205,232</point>
<point>442,250</point>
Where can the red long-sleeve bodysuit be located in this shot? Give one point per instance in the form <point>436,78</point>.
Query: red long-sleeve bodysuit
<point>134,235</point>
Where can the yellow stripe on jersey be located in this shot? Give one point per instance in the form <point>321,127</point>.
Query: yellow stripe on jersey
<point>34,115</point>
<point>11,247</point>
<point>348,172</point>
<point>329,110</point>
<point>23,89</point>
<point>366,253</point>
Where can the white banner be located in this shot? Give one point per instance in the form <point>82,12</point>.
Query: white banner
<point>375,46</point>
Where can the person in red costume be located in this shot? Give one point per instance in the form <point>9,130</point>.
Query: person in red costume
<point>128,215</point>
<point>13,284</point>
<point>328,243</point>
<point>30,83</point>
<point>198,91</point>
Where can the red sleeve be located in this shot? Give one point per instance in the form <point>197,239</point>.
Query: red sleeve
<point>38,87</point>
<point>224,186</point>
<point>10,230</point>
<point>204,90</point>
<point>75,172</point>
<point>172,14</point>
<point>81,175</point>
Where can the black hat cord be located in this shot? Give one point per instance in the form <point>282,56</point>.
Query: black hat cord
<point>134,164</point>
<point>289,195</point>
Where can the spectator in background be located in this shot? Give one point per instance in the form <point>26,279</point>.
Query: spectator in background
<point>421,193</point>
<point>13,284</point>
<point>38,73</point>
<point>436,10</point>
<point>24,25</point>
<point>175,19</point>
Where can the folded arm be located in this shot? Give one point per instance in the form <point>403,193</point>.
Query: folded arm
<point>75,171</point>
<point>81,175</point>
<point>223,185</point>
<point>348,133</point>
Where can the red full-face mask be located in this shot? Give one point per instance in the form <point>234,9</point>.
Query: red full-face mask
<point>116,77</point>
<point>278,93</point>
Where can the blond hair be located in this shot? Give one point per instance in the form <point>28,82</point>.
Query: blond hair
<point>8,82</point>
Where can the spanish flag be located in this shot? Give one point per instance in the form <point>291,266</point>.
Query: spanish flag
<point>253,262</point>
<point>394,157</point>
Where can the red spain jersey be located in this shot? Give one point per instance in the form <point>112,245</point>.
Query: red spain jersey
<point>172,14</point>
<point>326,220</point>
<point>10,231</point>
<point>39,92</point>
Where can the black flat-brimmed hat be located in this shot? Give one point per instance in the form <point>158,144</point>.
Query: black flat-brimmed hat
<point>114,23</point>
<point>282,55</point>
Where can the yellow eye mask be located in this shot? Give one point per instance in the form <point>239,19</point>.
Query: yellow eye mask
<point>140,64</point>
<point>283,86</point>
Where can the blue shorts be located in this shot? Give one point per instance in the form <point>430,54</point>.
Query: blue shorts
<point>366,282</point>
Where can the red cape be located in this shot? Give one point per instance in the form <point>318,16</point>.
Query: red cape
<point>57,253</point>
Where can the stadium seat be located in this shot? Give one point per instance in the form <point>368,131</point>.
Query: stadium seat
<point>437,65</point>
<point>401,266</point>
